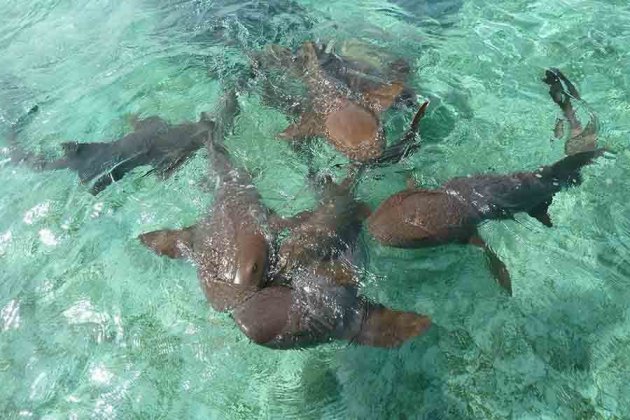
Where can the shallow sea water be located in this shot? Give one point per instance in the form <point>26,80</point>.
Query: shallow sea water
<point>94,325</point>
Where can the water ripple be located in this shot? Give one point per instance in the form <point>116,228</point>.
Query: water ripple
<point>92,324</point>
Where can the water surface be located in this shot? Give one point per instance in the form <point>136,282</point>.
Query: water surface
<point>94,325</point>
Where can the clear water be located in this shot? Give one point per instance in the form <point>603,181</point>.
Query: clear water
<point>94,325</point>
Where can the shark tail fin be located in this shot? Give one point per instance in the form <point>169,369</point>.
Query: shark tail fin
<point>223,122</point>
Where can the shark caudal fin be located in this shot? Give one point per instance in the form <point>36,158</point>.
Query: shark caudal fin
<point>222,121</point>
<point>409,143</point>
<point>169,242</point>
<point>563,92</point>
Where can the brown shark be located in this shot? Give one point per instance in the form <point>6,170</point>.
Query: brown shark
<point>315,293</point>
<point>321,304</point>
<point>420,218</point>
<point>346,108</point>
<point>311,304</point>
<point>329,230</point>
<point>152,142</point>
<point>360,67</point>
<point>313,298</point>
<point>358,73</point>
<point>231,247</point>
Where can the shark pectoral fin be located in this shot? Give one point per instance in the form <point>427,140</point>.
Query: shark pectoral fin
<point>115,174</point>
<point>585,140</point>
<point>150,172</point>
<point>101,183</point>
<point>384,96</point>
<point>415,123</point>
<point>540,213</point>
<point>291,133</point>
<point>591,129</point>
<point>309,125</point>
<point>171,243</point>
<point>167,172</point>
<point>87,159</point>
<point>384,327</point>
<point>497,267</point>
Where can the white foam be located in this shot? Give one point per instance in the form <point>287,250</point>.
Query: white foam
<point>5,239</point>
<point>83,312</point>
<point>10,315</point>
<point>100,375</point>
<point>47,237</point>
<point>36,213</point>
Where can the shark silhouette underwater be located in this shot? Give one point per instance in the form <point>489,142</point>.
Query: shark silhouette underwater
<point>419,217</point>
<point>346,99</point>
<point>310,299</point>
<point>153,142</point>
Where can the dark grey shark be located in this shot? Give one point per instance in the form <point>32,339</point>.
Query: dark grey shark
<point>152,142</point>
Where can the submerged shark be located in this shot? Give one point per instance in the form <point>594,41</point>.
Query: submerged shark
<point>420,217</point>
<point>153,142</point>
<point>318,259</point>
<point>233,244</point>
<point>308,299</point>
<point>346,100</point>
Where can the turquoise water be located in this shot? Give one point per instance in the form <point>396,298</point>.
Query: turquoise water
<point>94,325</point>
